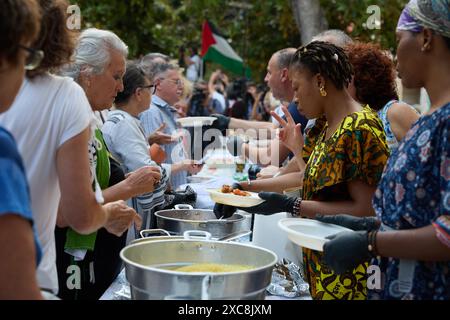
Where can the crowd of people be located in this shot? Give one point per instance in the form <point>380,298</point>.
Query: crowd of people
<point>90,148</point>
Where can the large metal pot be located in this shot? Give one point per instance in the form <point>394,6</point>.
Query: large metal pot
<point>184,218</point>
<point>148,280</point>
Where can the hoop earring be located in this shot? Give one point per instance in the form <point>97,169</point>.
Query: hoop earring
<point>323,93</point>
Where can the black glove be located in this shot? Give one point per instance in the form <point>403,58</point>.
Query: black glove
<point>275,203</point>
<point>221,123</point>
<point>346,250</point>
<point>253,171</point>
<point>188,196</point>
<point>351,222</point>
<point>234,145</point>
<point>223,211</point>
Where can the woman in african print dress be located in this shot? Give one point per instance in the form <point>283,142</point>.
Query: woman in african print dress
<point>345,158</point>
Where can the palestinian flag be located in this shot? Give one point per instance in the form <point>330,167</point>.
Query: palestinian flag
<point>216,49</point>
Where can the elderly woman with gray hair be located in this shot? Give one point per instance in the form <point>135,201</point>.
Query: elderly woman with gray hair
<point>98,67</point>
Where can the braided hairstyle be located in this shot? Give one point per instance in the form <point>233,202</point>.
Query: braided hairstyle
<point>325,59</point>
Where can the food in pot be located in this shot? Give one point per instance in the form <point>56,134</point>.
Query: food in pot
<point>237,192</point>
<point>214,267</point>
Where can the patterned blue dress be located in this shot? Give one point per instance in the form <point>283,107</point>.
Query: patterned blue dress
<point>413,192</point>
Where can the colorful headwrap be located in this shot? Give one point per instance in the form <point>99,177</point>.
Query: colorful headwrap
<point>432,14</point>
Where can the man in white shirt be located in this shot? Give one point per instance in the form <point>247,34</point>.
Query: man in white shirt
<point>193,63</point>
<point>217,85</point>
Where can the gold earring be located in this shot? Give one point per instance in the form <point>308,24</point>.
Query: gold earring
<point>323,93</point>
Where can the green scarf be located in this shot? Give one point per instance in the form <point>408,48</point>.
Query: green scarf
<point>75,240</point>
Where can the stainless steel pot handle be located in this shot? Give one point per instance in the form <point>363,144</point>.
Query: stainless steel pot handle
<point>196,234</point>
<point>184,207</point>
<point>146,232</point>
<point>235,235</point>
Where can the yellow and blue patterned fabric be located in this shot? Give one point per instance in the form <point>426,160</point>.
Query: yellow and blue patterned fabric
<point>356,151</point>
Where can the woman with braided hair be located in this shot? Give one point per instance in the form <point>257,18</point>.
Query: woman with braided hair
<point>344,160</point>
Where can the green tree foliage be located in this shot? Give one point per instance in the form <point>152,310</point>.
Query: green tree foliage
<point>352,16</point>
<point>255,33</point>
<point>166,25</point>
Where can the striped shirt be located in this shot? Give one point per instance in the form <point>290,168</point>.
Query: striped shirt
<point>125,138</point>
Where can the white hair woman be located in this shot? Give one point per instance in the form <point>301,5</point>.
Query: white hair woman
<point>98,67</point>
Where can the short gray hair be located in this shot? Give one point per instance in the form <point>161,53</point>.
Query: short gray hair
<point>284,57</point>
<point>340,38</point>
<point>93,52</point>
<point>150,57</point>
<point>159,69</point>
<point>149,63</point>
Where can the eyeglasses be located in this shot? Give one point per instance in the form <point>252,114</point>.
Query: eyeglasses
<point>178,82</point>
<point>152,91</point>
<point>34,58</point>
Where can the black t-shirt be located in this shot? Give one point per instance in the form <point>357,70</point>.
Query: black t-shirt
<point>298,118</point>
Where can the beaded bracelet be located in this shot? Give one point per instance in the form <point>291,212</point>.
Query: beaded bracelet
<point>297,207</point>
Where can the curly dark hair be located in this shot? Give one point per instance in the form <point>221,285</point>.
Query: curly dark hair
<point>19,22</point>
<point>326,59</point>
<point>55,39</point>
<point>375,74</point>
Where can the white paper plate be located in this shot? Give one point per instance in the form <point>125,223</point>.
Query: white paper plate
<point>309,233</point>
<point>234,200</point>
<point>196,121</point>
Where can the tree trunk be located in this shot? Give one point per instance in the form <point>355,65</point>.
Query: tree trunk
<point>309,17</point>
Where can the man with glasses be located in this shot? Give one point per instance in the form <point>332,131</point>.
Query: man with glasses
<point>169,89</point>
